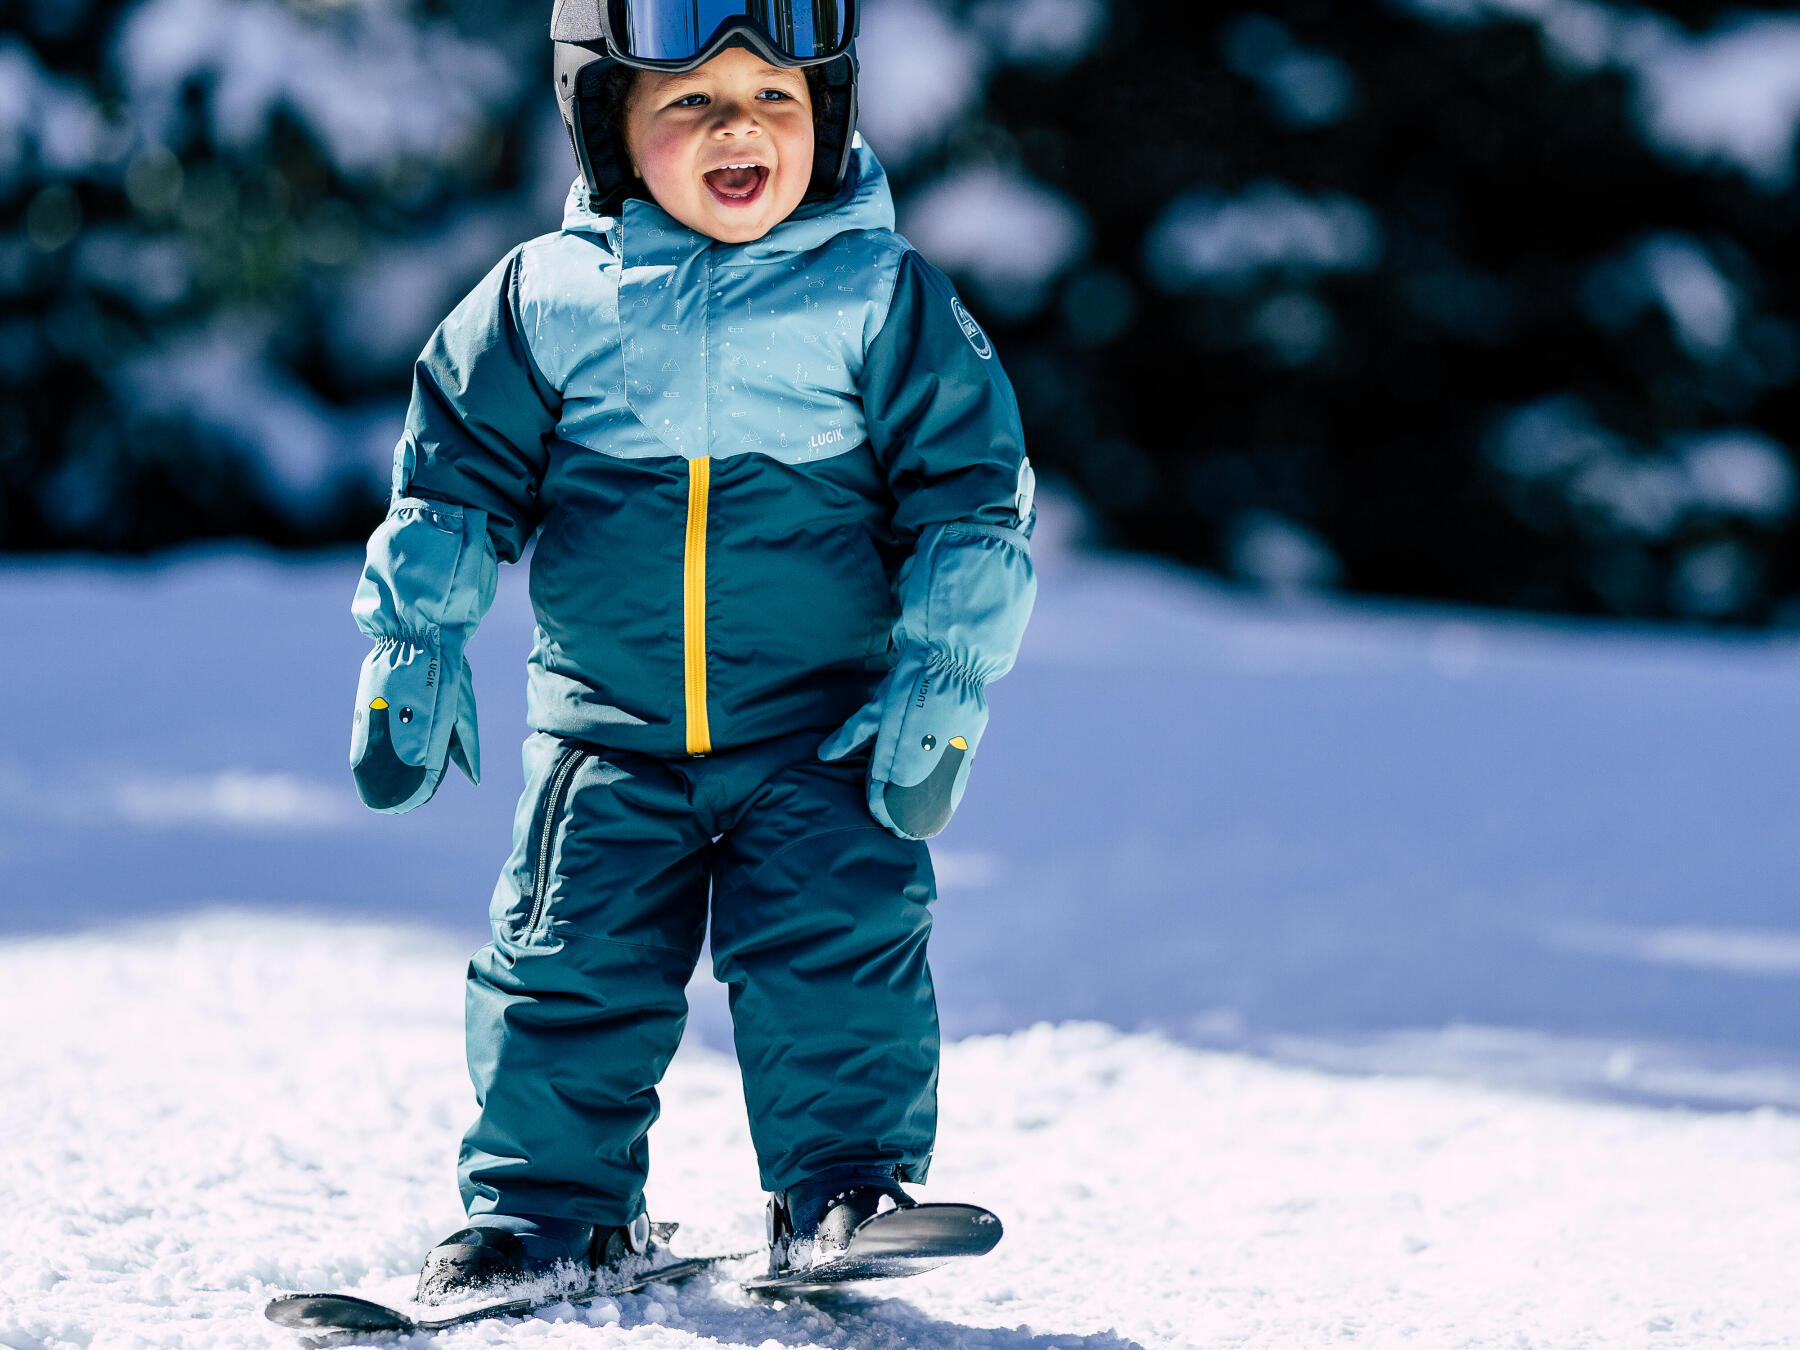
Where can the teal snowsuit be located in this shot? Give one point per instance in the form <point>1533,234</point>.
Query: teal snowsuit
<point>782,509</point>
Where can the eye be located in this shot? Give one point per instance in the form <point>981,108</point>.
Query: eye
<point>774,95</point>
<point>691,101</point>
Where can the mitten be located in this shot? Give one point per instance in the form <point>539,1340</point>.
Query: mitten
<point>429,578</point>
<point>965,598</point>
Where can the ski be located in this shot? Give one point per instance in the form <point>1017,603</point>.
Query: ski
<point>897,1242</point>
<point>888,1245</point>
<point>348,1312</point>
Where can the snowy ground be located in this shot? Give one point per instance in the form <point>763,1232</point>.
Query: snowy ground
<point>1422,978</point>
<point>207,1113</point>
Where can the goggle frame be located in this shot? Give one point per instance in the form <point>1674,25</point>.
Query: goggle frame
<point>741,31</point>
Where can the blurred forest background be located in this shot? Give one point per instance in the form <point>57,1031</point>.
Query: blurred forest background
<point>1493,301</point>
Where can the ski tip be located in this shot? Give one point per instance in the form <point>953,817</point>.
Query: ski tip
<point>894,1243</point>
<point>334,1312</point>
<point>937,1229</point>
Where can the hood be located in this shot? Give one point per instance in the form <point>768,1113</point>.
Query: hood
<point>864,202</point>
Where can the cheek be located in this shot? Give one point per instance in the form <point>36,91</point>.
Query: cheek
<point>662,156</point>
<point>797,148</point>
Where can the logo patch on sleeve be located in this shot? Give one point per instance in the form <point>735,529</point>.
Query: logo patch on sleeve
<point>971,330</point>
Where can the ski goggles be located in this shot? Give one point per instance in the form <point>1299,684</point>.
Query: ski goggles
<point>677,35</point>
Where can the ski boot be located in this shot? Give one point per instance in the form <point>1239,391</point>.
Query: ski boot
<point>810,1224</point>
<point>539,1256</point>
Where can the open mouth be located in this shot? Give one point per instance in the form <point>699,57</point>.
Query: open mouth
<point>737,184</point>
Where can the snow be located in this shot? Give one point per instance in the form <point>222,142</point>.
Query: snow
<point>300,444</point>
<point>1313,970</point>
<point>1741,471</point>
<point>1304,87</point>
<point>47,114</point>
<point>1738,951</point>
<point>231,798</point>
<point>1730,95</point>
<point>147,272</point>
<point>387,305</point>
<point>1010,235</point>
<point>1617,486</point>
<point>1047,35</point>
<point>924,64</point>
<point>374,87</point>
<point>260,1105</point>
<point>919,72</point>
<point>1716,579</point>
<point>1206,238</point>
<point>1279,553</point>
<point>1674,271</point>
<point>1733,95</point>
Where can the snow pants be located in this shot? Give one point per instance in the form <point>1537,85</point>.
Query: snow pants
<point>819,921</point>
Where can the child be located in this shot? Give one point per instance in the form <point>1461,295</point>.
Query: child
<point>781,503</point>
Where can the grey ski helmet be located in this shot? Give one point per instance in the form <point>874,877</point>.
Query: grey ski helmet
<point>597,41</point>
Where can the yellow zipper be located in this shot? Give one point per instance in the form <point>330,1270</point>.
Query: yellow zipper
<point>699,735</point>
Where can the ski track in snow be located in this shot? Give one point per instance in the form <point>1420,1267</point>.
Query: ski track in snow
<point>204,1112</point>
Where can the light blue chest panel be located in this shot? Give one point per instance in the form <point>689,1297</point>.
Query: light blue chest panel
<point>685,347</point>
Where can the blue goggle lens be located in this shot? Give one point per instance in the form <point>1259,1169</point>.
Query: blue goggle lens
<point>680,30</point>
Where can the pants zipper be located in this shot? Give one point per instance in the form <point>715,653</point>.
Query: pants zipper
<point>693,596</point>
<point>566,764</point>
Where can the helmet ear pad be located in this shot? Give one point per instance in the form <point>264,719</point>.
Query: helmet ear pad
<point>833,89</point>
<point>604,97</point>
<point>595,111</point>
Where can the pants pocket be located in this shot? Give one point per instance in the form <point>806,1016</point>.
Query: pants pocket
<point>537,867</point>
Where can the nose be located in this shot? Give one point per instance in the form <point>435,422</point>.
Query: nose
<point>735,118</point>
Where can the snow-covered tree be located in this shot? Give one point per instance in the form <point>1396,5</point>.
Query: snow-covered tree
<point>1458,298</point>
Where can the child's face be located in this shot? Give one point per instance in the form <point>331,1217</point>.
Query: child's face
<point>686,132</point>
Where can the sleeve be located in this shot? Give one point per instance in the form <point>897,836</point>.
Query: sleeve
<point>467,474</point>
<point>944,424</point>
<point>941,413</point>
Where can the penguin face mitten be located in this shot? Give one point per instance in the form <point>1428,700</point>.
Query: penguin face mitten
<point>926,721</point>
<point>401,738</point>
<point>965,600</point>
<point>429,578</point>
